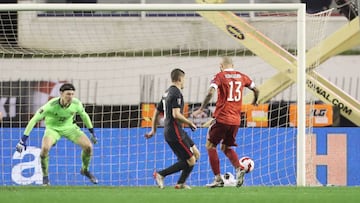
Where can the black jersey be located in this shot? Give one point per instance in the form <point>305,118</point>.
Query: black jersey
<point>172,98</point>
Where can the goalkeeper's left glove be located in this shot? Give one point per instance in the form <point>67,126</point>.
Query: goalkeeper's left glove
<point>92,136</point>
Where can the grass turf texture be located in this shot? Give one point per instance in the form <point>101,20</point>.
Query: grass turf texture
<point>96,194</point>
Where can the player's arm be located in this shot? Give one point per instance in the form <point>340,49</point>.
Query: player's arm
<point>253,88</point>
<point>154,123</point>
<point>87,121</point>
<point>205,102</point>
<point>256,95</point>
<point>176,113</point>
<point>39,115</point>
<point>85,118</point>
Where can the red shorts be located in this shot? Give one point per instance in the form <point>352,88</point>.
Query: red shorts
<point>226,134</point>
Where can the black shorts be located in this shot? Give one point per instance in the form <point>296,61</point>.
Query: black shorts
<point>181,148</point>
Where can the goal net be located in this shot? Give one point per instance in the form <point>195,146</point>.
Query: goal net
<point>119,58</point>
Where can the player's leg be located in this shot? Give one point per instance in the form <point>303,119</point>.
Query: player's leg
<point>214,136</point>
<point>193,147</point>
<point>87,150</point>
<point>183,154</point>
<point>226,146</point>
<point>227,143</point>
<point>86,155</point>
<point>196,152</point>
<point>185,173</point>
<point>78,137</point>
<point>234,159</point>
<point>176,167</point>
<point>159,179</point>
<point>160,175</point>
<point>49,139</point>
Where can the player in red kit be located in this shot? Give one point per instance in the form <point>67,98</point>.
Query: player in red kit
<point>229,84</point>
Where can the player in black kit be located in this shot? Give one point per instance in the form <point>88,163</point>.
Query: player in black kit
<point>172,105</point>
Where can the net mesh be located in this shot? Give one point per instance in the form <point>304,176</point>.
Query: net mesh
<point>120,64</point>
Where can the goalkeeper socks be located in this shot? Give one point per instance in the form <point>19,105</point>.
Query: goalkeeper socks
<point>233,157</point>
<point>85,157</point>
<point>214,160</point>
<point>178,166</point>
<point>185,174</point>
<point>45,165</point>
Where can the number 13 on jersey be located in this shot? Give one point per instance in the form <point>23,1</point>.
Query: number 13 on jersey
<point>234,91</point>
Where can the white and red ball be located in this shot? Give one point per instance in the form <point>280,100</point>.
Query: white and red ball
<point>247,164</point>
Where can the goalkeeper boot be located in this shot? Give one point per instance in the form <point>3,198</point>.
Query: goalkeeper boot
<point>218,182</point>
<point>91,177</point>
<point>46,181</point>
<point>159,180</point>
<point>240,173</point>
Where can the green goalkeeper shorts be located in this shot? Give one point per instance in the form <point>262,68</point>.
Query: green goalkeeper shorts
<point>72,133</point>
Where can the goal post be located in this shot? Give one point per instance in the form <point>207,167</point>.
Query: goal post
<point>301,99</point>
<point>152,7</point>
<point>97,82</point>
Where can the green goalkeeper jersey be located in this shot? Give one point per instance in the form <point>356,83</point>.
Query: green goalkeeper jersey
<point>58,117</point>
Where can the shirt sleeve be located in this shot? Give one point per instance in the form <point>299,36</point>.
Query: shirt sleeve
<point>84,116</point>
<point>160,106</point>
<point>39,115</point>
<point>176,100</point>
<point>249,82</point>
<point>215,82</point>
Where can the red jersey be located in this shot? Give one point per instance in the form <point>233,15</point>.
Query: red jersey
<point>230,84</point>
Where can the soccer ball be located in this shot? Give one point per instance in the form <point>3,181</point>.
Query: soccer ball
<point>247,164</point>
<point>214,1</point>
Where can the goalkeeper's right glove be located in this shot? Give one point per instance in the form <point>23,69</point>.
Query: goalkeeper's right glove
<point>21,146</point>
<point>92,136</point>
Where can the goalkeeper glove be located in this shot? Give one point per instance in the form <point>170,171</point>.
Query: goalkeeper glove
<point>92,136</point>
<point>21,146</point>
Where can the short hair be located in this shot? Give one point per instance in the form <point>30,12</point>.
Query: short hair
<point>67,86</point>
<point>176,74</point>
<point>227,60</point>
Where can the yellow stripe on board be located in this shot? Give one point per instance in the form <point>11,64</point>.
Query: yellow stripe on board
<point>282,60</point>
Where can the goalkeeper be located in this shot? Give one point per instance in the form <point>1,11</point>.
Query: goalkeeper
<point>59,114</point>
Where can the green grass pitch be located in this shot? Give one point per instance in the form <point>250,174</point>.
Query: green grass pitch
<point>100,194</point>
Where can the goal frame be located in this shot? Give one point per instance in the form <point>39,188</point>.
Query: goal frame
<point>301,46</point>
